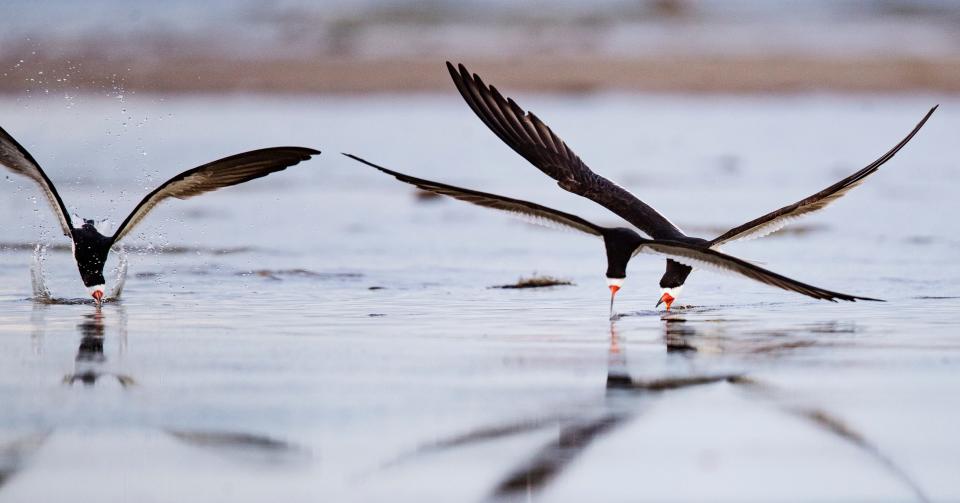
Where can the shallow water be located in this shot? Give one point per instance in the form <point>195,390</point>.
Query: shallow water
<point>324,334</point>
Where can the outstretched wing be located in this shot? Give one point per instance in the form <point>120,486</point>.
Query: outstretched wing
<point>17,159</point>
<point>776,220</point>
<point>228,171</point>
<point>711,259</point>
<point>532,211</point>
<point>537,143</point>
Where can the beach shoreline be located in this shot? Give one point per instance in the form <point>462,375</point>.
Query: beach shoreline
<point>738,74</point>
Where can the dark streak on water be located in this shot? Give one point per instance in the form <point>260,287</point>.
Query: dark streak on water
<point>15,454</point>
<point>245,447</point>
<point>551,459</point>
<point>827,422</point>
<point>300,273</point>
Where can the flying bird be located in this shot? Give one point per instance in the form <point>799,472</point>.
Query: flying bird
<point>527,135</point>
<point>621,243</point>
<point>90,247</point>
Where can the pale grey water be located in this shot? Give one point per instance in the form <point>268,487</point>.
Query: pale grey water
<point>301,384</point>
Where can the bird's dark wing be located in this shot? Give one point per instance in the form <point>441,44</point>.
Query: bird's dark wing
<point>776,220</point>
<point>228,171</point>
<point>17,159</point>
<point>532,211</point>
<point>706,258</point>
<point>537,143</point>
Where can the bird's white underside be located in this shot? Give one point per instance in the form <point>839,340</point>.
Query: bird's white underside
<point>674,292</point>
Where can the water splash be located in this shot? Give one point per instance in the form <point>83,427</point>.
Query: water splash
<point>40,290</point>
<point>120,275</point>
<point>42,294</point>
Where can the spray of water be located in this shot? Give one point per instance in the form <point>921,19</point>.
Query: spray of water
<point>38,279</point>
<point>40,290</point>
<point>120,275</point>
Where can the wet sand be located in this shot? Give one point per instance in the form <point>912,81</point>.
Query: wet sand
<point>551,73</point>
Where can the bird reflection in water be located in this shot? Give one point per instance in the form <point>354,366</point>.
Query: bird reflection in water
<point>91,362</point>
<point>618,376</point>
<point>626,399</point>
<point>677,334</point>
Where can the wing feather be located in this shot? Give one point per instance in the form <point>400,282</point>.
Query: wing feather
<point>776,220</point>
<point>17,159</point>
<point>531,211</point>
<point>706,258</point>
<point>530,137</point>
<point>225,172</point>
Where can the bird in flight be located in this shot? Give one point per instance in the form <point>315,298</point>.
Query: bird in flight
<point>621,243</point>
<point>527,135</point>
<point>91,248</point>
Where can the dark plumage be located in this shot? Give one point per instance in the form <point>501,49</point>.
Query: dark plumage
<point>621,243</point>
<point>527,135</point>
<point>91,248</point>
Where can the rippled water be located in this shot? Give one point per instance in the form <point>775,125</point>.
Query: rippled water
<point>324,334</point>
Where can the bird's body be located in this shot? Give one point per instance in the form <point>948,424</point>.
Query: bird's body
<point>530,137</point>
<point>90,250</point>
<point>621,243</point>
<point>91,247</point>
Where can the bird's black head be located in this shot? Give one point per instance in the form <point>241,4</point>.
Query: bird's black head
<point>675,275</point>
<point>91,272</point>
<point>92,277</point>
<point>672,282</point>
<point>90,249</point>
<point>620,244</point>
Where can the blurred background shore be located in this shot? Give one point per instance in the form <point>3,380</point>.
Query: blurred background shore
<point>357,46</point>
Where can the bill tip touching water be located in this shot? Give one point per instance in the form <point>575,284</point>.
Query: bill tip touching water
<point>621,243</point>
<point>90,247</point>
<point>650,232</point>
<point>530,137</point>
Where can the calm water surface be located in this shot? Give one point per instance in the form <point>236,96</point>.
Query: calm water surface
<point>324,334</point>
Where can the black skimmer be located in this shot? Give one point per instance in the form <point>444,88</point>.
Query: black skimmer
<point>90,247</point>
<point>622,244</point>
<point>537,143</point>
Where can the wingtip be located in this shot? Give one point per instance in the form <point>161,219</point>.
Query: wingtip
<point>306,153</point>
<point>458,72</point>
<point>368,163</point>
<point>854,298</point>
